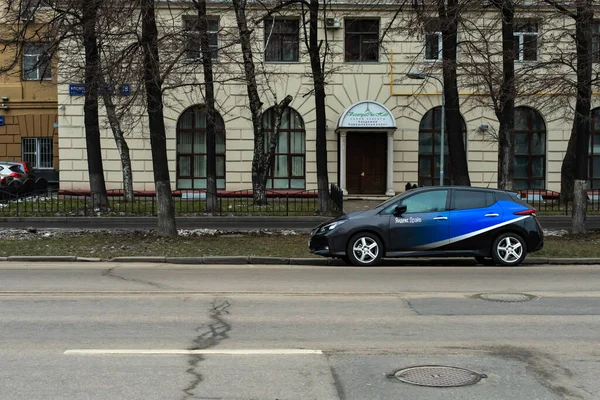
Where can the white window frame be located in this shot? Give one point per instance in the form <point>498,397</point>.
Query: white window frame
<point>520,41</point>
<point>195,32</point>
<point>39,68</point>
<point>440,44</point>
<point>36,162</point>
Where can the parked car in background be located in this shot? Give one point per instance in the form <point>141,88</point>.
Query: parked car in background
<point>5,181</point>
<point>435,222</point>
<point>25,168</point>
<point>21,176</point>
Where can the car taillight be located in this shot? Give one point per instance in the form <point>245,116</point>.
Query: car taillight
<point>531,211</point>
<point>3,180</point>
<point>15,175</point>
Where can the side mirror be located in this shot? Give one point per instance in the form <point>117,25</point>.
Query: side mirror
<point>400,209</point>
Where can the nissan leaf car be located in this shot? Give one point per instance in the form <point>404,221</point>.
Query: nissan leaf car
<point>488,224</point>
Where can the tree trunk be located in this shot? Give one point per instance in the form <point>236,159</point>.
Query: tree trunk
<point>567,170</point>
<point>454,124</point>
<point>121,143</point>
<point>261,161</point>
<point>91,120</point>
<point>321,117</point>
<point>583,40</point>
<point>158,140</point>
<point>506,110</point>
<point>209,88</point>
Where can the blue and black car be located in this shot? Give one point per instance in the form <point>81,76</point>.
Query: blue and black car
<point>488,224</point>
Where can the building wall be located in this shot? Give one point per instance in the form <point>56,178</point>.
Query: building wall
<point>30,106</point>
<point>382,81</point>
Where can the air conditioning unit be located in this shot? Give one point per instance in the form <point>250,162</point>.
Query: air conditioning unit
<point>332,23</point>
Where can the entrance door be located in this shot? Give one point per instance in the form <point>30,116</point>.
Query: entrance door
<point>366,162</point>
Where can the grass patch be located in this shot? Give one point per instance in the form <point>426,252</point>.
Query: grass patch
<point>111,244</point>
<point>108,245</point>
<point>55,206</point>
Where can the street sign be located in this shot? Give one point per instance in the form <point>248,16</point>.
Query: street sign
<point>1,120</point>
<point>126,89</point>
<point>76,89</point>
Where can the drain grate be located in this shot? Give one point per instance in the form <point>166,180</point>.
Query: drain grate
<point>438,376</point>
<point>506,297</point>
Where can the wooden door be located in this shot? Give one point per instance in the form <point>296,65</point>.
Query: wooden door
<point>366,155</point>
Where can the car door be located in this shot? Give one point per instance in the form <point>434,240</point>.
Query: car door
<point>473,216</point>
<point>424,225</point>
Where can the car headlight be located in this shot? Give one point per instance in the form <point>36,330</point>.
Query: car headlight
<point>332,226</point>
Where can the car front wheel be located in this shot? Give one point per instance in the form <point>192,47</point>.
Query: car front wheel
<point>509,249</point>
<point>364,249</point>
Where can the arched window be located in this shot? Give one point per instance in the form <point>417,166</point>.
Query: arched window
<point>192,151</point>
<point>530,149</point>
<point>594,153</point>
<point>430,145</point>
<point>288,169</point>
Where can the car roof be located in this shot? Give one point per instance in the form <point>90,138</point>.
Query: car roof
<point>483,189</point>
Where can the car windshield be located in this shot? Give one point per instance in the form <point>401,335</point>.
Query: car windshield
<point>389,201</point>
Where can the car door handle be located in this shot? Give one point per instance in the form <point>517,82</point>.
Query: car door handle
<point>492,215</point>
<point>440,218</point>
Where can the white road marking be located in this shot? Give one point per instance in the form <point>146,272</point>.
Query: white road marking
<point>243,352</point>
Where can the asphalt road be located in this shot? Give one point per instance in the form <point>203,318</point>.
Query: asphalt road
<point>156,331</point>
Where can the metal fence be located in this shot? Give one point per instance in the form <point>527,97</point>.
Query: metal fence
<point>337,199</point>
<point>54,203</point>
<point>548,202</point>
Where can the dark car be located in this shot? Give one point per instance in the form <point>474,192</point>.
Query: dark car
<point>441,221</point>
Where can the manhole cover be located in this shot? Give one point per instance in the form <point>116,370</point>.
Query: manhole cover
<point>438,376</point>
<point>506,297</point>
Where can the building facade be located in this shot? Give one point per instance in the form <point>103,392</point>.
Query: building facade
<point>28,102</point>
<point>383,130</point>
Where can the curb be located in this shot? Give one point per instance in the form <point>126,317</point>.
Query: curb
<point>254,260</point>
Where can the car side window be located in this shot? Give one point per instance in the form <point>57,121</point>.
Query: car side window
<point>433,201</point>
<point>468,199</point>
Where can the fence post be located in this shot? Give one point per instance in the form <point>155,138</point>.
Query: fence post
<point>287,205</point>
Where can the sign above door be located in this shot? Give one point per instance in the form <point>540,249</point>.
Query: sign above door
<point>367,114</point>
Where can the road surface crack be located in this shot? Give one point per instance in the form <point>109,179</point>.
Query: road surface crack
<point>410,306</point>
<point>208,336</point>
<point>111,273</point>
<point>559,379</point>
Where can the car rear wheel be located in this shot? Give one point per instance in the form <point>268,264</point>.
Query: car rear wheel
<point>509,249</point>
<point>364,249</point>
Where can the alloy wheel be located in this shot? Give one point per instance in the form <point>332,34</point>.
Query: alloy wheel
<point>509,249</point>
<point>365,250</point>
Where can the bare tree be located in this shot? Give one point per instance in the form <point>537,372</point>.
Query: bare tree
<point>154,100</point>
<point>261,161</point>
<point>89,20</point>
<point>317,50</point>
<point>209,89</point>
<point>582,12</point>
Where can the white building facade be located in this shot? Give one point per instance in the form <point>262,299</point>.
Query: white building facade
<point>383,130</point>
